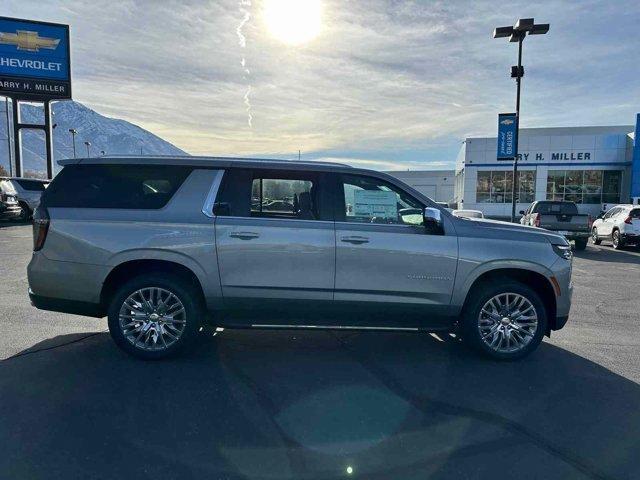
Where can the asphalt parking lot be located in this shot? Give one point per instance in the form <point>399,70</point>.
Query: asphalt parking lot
<point>271,405</point>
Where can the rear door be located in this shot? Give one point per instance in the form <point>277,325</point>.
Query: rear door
<point>390,271</point>
<point>275,244</point>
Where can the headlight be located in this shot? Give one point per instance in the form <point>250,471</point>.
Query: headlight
<point>563,251</point>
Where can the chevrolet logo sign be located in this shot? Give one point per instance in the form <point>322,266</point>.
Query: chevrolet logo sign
<point>28,41</point>
<point>507,121</point>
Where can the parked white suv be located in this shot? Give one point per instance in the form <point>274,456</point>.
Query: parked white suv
<point>620,224</point>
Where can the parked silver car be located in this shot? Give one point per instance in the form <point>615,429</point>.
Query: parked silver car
<point>163,245</point>
<point>9,206</point>
<point>28,192</point>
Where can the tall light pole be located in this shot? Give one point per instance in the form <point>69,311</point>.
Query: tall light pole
<point>517,33</point>
<point>73,132</point>
<point>88,144</point>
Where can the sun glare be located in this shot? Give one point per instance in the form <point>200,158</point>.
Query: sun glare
<point>293,21</point>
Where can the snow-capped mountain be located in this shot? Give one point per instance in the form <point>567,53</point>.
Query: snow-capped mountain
<point>112,135</point>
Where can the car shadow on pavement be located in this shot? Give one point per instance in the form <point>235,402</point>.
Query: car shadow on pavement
<point>282,404</point>
<point>608,254</point>
<point>13,223</point>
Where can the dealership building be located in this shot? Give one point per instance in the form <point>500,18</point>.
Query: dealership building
<point>590,166</point>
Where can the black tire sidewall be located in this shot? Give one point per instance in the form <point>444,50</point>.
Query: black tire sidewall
<point>594,237</point>
<point>471,332</point>
<point>619,245</point>
<point>581,244</point>
<point>179,287</point>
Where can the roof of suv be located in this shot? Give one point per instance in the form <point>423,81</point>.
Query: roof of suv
<point>223,162</point>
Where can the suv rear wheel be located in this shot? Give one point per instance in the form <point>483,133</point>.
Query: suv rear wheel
<point>616,240</point>
<point>594,236</point>
<point>504,320</point>
<point>155,316</point>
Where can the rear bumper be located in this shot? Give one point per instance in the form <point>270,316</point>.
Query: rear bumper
<point>577,235</point>
<point>630,237</point>
<point>66,306</point>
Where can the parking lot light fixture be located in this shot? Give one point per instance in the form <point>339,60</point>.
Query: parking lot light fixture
<point>73,132</point>
<point>517,33</point>
<point>88,145</point>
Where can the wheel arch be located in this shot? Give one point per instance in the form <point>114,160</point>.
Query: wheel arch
<point>129,269</point>
<point>535,280</point>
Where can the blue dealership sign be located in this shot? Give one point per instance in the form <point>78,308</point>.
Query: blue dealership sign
<point>507,136</point>
<point>34,59</point>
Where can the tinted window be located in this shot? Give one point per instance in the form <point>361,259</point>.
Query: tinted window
<point>31,185</point>
<point>115,186</point>
<point>284,197</point>
<point>635,213</point>
<point>370,200</point>
<point>562,208</point>
<point>273,193</point>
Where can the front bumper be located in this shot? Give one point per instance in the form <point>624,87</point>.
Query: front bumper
<point>13,211</point>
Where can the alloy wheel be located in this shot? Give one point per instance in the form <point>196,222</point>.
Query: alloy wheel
<point>152,318</point>
<point>507,322</point>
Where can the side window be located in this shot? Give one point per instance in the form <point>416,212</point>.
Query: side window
<point>611,213</point>
<point>371,200</point>
<point>284,197</point>
<point>635,213</point>
<point>146,187</point>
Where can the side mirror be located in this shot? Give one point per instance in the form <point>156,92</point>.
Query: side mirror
<point>432,218</point>
<point>521,212</point>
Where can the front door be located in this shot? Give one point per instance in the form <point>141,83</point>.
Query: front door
<point>275,244</point>
<point>387,263</point>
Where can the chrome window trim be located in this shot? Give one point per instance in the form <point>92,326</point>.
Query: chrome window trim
<point>280,219</point>
<point>207,208</point>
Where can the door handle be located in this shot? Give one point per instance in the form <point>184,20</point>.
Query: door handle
<point>244,235</point>
<point>356,239</point>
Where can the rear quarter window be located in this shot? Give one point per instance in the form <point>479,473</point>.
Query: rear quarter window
<point>115,186</point>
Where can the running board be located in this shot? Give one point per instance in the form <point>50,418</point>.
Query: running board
<point>336,327</point>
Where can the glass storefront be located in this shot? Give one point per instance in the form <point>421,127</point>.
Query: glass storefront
<point>584,186</point>
<point>497,186</point>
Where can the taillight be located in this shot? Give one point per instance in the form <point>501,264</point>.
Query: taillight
<point>40,227</point>
<point>628,220</point>
<point>536,221</point>
<point>590,222</point>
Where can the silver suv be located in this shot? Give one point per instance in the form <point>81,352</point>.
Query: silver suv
<point>163,246</point>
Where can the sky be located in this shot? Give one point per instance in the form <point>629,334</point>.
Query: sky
<point>386,84</point>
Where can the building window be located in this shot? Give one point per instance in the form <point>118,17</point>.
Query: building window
<point>497,186</point>
<point>584,186</point>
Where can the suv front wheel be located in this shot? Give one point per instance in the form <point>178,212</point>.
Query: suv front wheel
<point>155,316</point>
<point>505,320</point>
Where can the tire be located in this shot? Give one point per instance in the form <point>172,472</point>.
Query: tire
<point>476,324</point>
<point>581,244</point>
<point>616,240</point>
<point>141,338</point>
<point>594,237</point>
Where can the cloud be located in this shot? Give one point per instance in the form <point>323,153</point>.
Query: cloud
<point>382,76</point>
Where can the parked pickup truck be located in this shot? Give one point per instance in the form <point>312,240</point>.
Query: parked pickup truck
<point>559,217</point>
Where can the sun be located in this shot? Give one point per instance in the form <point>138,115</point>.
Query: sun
<point>293,22</point>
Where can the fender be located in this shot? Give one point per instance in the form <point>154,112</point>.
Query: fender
<point>465,281</point>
